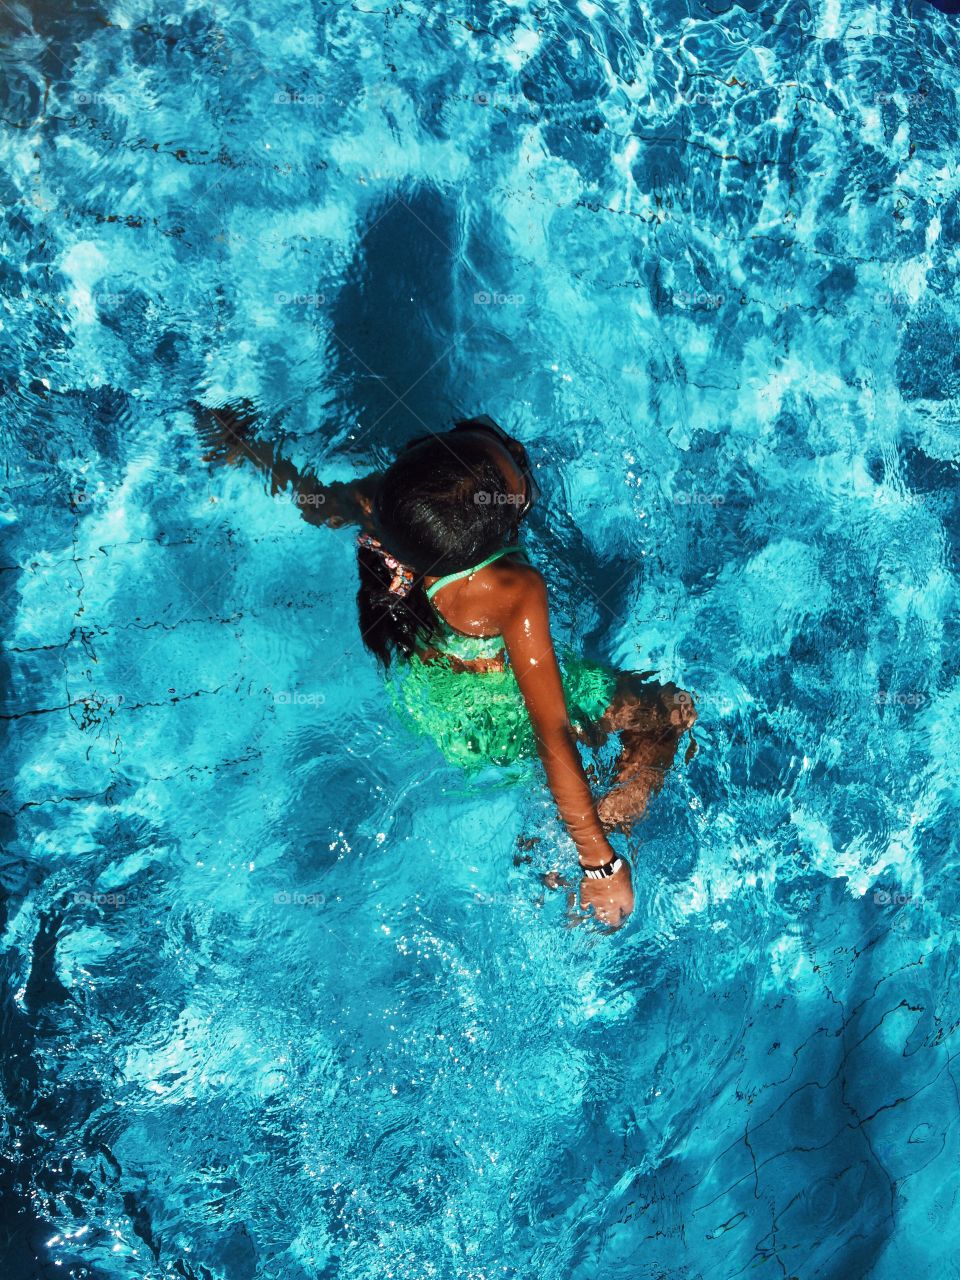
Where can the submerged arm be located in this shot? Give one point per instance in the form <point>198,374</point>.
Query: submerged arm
<point>526,631</point>
<point>228,433</point>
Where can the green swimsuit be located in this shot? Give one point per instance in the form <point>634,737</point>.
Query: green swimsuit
<point>479,717</point>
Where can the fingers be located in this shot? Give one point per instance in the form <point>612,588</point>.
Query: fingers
<point>228,423</point>
<point>598,918</point>
<point>589,903</point>
<point>576,918</point>
<point>608,912</point>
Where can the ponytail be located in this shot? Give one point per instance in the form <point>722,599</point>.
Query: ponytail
<point>442,506</point>
<point>390,621</point>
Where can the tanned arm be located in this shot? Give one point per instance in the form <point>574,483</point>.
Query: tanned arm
<point>525,625</point>
<point>229,436</point>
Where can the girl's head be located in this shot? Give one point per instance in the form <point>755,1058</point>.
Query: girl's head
<point>451,500</point>
<point>445,504</point>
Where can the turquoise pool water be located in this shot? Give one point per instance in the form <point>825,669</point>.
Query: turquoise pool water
<point>283,996</point>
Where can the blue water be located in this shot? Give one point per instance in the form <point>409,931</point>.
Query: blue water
<point>283,996</point>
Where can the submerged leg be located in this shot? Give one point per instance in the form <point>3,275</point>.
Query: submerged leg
<point>651,719</point>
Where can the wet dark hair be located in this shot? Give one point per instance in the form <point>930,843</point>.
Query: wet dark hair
<point>442,506</point>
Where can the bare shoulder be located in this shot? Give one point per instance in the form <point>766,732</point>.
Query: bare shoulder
<point>520,591</point>
<point>514,575</point>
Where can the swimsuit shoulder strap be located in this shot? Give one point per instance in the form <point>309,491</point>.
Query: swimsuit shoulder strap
<point>465,573</point>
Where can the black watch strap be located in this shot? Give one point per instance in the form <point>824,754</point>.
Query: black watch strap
<point>605,870</point>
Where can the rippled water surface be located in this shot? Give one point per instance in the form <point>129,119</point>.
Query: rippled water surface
<point>282,995</point>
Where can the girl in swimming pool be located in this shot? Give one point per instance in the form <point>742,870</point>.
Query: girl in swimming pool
<point>447,592</point>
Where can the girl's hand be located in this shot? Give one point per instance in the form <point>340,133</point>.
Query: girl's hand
<point>229,436</point>
<point>611,899</point>
<point>227,433</point>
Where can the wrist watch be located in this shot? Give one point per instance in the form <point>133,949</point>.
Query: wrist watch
<point>605,870</point>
